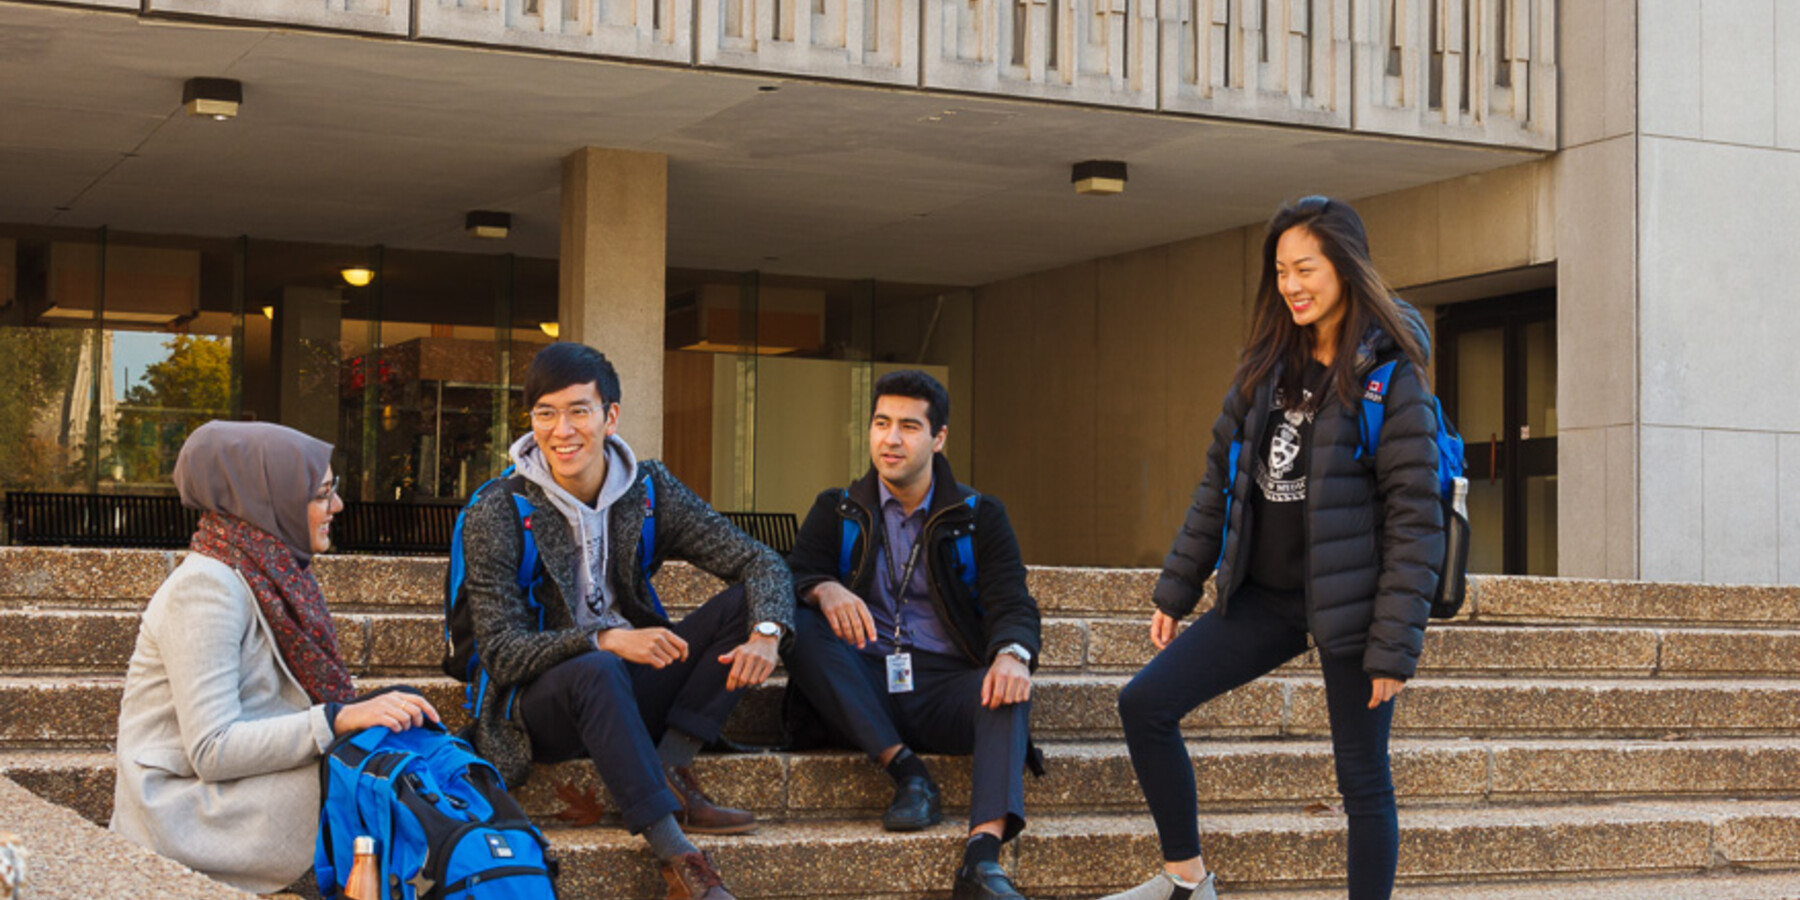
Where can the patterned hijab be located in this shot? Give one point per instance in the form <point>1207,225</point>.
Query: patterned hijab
<point>254,481</point>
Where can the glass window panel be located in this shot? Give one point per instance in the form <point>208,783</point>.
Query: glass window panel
<point>1487,518</point>
<point>1540,378</point>
<point>1481,385</point>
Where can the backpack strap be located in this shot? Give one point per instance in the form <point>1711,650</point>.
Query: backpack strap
<point>1374,408</point>
<point>848,533</point>
<point>965,549</point>
<point>647,543</point>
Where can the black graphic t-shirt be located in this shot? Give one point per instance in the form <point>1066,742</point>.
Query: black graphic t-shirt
<point>1278,497</point>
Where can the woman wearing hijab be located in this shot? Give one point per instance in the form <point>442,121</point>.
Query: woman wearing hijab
<point>236,686</point>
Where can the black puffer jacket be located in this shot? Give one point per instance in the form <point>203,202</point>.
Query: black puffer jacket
<point>1375,533</point>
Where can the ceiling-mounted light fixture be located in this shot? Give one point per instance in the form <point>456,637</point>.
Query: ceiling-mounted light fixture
<point>483,223</point>
<point>215,97</point>
<point>552,329</point>
<point>357,276</point>
<point>1098,176</point>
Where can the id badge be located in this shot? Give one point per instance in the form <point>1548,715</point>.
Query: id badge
<point>900,673</point>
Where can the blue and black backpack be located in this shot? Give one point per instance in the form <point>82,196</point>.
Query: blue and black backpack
<point>462,658</point>
<point>443,824</point>
<point>1453,488</point>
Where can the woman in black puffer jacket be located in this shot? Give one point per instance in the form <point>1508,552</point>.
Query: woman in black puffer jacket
<point>1309,539</point>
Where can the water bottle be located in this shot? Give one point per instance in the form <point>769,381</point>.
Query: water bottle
<point>364,882</point>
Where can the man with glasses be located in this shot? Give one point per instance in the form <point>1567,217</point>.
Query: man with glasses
<point>587,663</point>
<point>916,630</point>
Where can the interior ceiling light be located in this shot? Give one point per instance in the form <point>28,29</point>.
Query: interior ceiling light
<point>552,329</point>
<point>1098,176</point>
<point>215,97</point>
<point>483,223</point>
<point>357,276</point>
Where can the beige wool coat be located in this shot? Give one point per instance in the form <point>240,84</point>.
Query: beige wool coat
<point>218,744</point>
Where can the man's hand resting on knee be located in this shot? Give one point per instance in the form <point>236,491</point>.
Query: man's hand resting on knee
<point>1008,681</point>
<point>752,661</point>
<point>653,647</point>
<point>847,613</point>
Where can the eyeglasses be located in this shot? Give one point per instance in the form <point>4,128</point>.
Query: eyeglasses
<point>580,416</point>
<point>325,494</point>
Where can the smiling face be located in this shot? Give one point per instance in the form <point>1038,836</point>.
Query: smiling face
<point>901,443</point>
<point>1309,283</point>
<point>571,427</point>
<point>320,508</point>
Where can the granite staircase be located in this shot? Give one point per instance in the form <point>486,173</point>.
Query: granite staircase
<point>1593,740</point>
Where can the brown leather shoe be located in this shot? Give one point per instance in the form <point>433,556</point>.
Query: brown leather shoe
<point>698,814</point>
<point>691,877</point>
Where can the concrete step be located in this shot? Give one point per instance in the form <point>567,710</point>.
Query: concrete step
<point>1722,885</point>
<point>1096,777</point>
<point>411,643</point>
<point>81,710</point>
<point>61,577</point>
<point>1090,855</point>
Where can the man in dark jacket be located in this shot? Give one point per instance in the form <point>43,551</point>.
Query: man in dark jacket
<point>600,671</point>
<point>915,629</point>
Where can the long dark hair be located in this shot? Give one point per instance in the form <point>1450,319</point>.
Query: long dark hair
<point>1279,348</point>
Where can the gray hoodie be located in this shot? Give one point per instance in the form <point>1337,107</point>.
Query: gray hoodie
<point>596,609</point>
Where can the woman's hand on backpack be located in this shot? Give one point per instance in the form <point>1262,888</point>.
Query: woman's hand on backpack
<point>653,647</point>
<point>1163,628</point>
<point>1385,689</point>
<point>395,711</point>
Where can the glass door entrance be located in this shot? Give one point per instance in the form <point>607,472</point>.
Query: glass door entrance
<point>1497,380</point>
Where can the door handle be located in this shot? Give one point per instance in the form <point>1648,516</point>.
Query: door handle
<point>1493,456</point>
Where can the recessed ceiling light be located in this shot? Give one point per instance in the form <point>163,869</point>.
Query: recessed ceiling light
<point>484,223</point>
<point>1098,176</point>
<point>215,97</point>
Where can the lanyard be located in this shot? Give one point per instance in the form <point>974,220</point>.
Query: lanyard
<point>901,582</point>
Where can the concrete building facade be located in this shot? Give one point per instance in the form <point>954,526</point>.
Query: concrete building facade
<point>1589,198</point>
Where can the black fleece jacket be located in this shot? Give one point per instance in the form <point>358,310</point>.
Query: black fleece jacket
<point>1003,612</point>
<point>1374,530</point>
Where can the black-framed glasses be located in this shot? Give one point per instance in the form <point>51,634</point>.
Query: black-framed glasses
<point>324,496</point>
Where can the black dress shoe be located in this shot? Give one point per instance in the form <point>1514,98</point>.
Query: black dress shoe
<point>985,881</point>
<point>916,805</point>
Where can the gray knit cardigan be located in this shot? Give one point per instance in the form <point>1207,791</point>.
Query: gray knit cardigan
<point>515,651</point>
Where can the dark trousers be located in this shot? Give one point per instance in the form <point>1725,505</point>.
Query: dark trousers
<point>942,713</point>
<point>1216,654</point>
<point>613,712</point>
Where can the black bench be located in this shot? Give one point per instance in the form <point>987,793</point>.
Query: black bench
<point>395,529</point>
<point>775,530</point>
<point>46,519</point>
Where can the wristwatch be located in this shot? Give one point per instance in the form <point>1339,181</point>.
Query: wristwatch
<point>1017,651</point>
<point>769,629</point>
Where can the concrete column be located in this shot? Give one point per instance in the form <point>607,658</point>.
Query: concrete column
<point>615,213</point>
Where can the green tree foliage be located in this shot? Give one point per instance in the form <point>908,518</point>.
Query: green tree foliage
<point>176,395</point>
<point>37,371</point>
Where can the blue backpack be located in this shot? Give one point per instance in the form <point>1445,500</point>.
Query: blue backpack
<point>443,824</point>
<point>964,545</point>
<point>462,658</point>
<point>1453,488</point>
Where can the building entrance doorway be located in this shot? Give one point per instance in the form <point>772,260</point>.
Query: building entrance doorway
<point>1497,381</point>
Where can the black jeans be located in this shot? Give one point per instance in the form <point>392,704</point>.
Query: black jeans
<point>613,712</point>
<point>1217,653</point>
<point>942,714</point>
